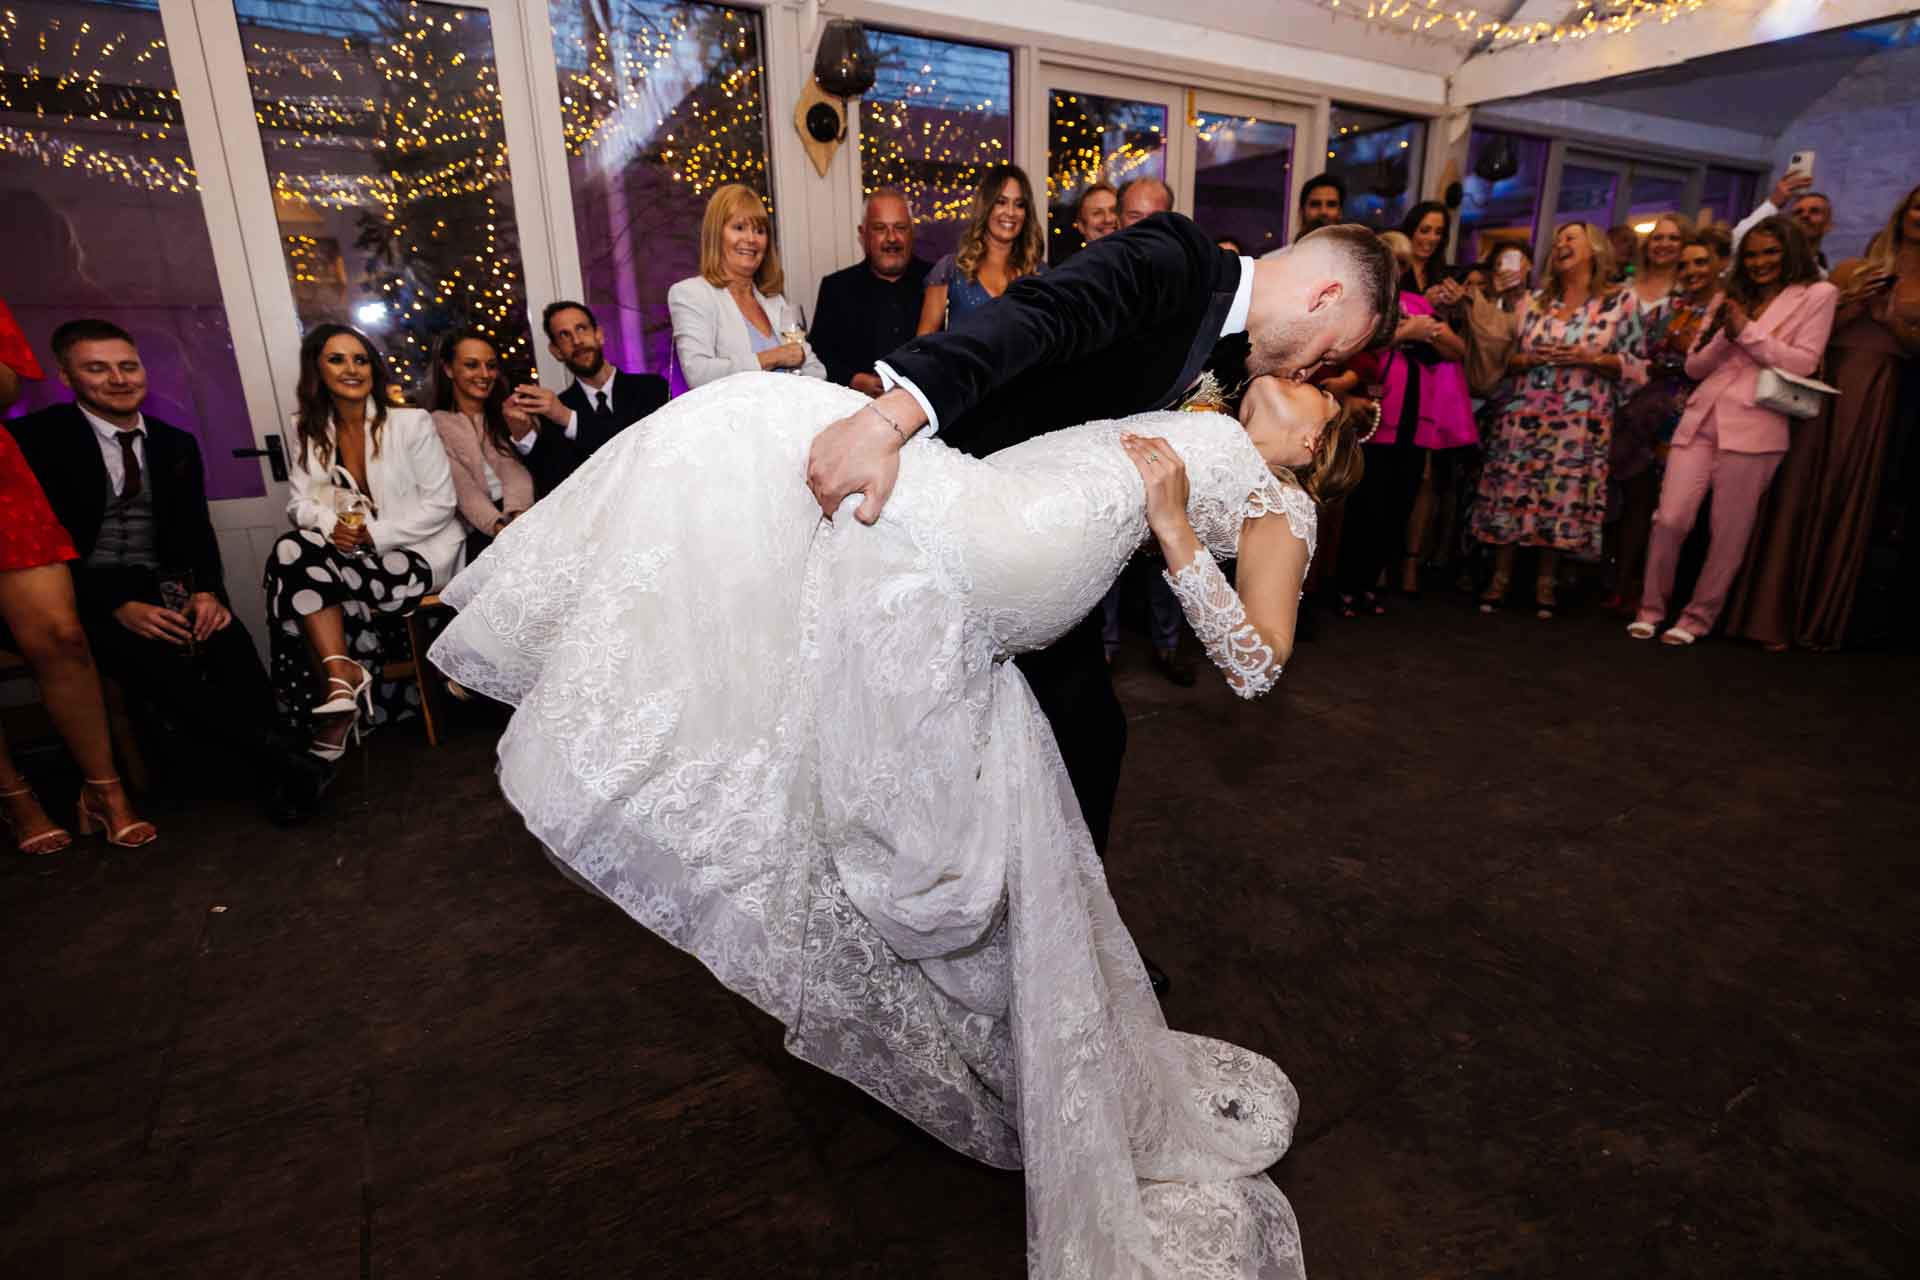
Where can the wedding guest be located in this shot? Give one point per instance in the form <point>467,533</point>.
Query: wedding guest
<point>1625,243</point>
<point>1321,201</point>
<point>375,529</point>
<point>1656,270</point>
<point>1776,314</point>
<point>1142,198</point>
<point>1425,412</point>
<point>734,317</point>
<point>873,306</point>
<point>1793,195</point>
<point>1002,243</point>
<point>478,428</point>
<point>1428,226</point>
<point>1577,355</point>
<point>1718,239</point>
<point>131,492</point>
<point>1643,429</point>
<point>40,619</point>
<point>597,405</point>
<point>1098,213</point>
<point>1814,531</point>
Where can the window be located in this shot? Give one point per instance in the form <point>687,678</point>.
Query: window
<point>1093,139</point>
<point>939,114</point>
<point>1505,176</point>
<point>101,205</point>
<point>1586,195</point>
<point>1243,179</point>
<point>384,141</point>
<point>663,104</point>
<point>1728,194</point>
<point>1378,156</point>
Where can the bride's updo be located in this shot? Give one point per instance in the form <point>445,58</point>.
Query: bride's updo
<point>1337,464</point>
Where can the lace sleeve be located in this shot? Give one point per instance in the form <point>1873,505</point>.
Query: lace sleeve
<point>1216,615</point>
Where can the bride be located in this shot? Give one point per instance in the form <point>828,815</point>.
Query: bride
<point>794,748</point>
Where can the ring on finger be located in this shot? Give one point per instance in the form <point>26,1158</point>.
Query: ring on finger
<point>1153,457</point>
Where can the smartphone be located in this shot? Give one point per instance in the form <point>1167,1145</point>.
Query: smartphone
<point>1801,162</point>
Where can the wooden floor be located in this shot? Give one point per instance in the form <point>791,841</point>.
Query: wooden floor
<point>1589,958</point>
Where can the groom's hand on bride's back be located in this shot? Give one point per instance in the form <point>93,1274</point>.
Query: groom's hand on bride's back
<point>861,454</point>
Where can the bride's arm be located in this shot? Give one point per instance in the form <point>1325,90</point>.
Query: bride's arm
<point>1249,633</point>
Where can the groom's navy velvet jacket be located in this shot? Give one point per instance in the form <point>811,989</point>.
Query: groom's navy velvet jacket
<point>1125,326</point>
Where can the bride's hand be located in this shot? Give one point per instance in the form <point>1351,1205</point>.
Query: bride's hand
<point>1166,478</point>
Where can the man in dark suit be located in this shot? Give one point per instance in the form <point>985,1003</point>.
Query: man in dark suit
<point>872,307</point>
<point>597,405</point>
<point>1127,325</point>
<point>131,493</point>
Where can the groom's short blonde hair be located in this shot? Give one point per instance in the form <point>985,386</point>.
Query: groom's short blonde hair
<point>1369,269</point>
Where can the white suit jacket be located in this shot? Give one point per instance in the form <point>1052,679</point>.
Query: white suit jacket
<point>710,336</point>
<point>412,485</point>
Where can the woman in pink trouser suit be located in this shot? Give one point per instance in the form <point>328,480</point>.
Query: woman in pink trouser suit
<point>1777,313</point>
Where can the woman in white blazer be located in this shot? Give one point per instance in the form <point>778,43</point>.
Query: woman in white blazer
<point>375,529</point>
<point>733,316</point>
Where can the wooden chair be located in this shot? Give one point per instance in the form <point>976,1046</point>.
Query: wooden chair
<point>126,745</point>
<point>415,666</point>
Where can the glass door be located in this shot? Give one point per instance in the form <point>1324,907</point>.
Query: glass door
<point>1589,188</point>
<point>1245,158</point>
<point>1105,129</point>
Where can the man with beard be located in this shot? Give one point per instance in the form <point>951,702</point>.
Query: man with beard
<point>1320,203</point>
<point>596,406</point>
<point>868,309</point>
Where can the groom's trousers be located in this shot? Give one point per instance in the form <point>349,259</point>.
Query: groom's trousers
<point>1074,687</point>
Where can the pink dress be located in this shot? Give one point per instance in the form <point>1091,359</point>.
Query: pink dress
<point>1445,404</point>
<point>1545,481</point>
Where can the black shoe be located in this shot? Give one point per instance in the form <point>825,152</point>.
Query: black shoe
<point>1176,669</point>
<point>1158,977</point>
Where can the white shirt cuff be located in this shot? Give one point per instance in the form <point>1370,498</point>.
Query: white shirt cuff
<point>523,445</point>
<point>889,380</point>
<point>572,429</point>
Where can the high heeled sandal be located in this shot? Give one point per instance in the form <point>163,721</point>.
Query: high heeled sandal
<point>88,820</point>
<point>1544,599</point>
<point>345,695</point>
<point>1496,593</point>
<point>52,840</point>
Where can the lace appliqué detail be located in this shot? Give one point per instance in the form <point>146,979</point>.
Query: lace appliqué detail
<point>1282,495</point>
<point>1216,615</point>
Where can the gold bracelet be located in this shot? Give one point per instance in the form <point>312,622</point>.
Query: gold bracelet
<point>889,421</point>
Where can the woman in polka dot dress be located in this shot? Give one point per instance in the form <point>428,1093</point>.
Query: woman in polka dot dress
<point>375,530</point>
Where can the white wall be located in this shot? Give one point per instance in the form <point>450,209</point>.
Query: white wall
<point>1863,133</point>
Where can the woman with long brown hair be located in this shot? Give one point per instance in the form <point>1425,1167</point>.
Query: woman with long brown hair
<point>373,508</point>
<point>1776,314</point>
<point>477,428</point>
<point>1813,535</point>
<point>1002,242</point>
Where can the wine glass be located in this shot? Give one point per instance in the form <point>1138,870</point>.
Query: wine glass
<point>796,330</point>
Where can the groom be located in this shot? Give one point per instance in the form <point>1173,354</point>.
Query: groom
<point>1127,325</point>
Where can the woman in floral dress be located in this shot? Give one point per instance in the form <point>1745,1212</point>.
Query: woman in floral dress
<point>1579,355</point>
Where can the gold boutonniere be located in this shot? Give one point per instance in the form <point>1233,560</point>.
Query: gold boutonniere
<point>1206,396</point>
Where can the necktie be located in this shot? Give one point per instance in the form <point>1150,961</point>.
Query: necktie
<point>600,399</point>
<point>130,462</point>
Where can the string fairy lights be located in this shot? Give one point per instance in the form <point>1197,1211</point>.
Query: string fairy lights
<point>938,116</point>
<point>1440,19</point>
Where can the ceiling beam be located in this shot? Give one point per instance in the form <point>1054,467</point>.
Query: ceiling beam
<point>1516,70</point>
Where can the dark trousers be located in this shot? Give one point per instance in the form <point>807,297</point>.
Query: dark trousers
<point>1374,528</point>
<point>221,694</point>
<point>1074,687</point>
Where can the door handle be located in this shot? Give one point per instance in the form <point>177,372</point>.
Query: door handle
<point>275,455</point>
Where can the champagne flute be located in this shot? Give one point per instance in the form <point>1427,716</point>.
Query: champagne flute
<point>796,331</point>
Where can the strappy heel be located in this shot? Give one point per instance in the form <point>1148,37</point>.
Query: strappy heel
<point>88,820</point>
<point>52,840</point>
<point>345,697</point>
<point>1496,593</point>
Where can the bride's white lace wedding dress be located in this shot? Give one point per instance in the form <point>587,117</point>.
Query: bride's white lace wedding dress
<point>795,749</point>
